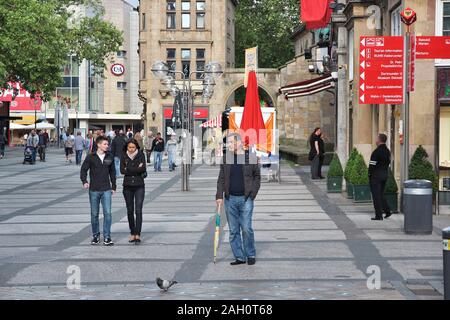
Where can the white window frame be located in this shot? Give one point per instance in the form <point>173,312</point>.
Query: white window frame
<point>439,27</point>
<point>396,22</point>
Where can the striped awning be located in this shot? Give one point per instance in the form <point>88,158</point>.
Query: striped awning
<point>213,123</point>
<point>307,87</point>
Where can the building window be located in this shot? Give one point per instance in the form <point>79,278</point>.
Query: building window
<point>171,5</point>
<point>200,20</point>
<point>396,25</point>
<point>171,56</point>
<point>200,63</point>
<point>201,6</point>
<point>186,54</point>
<point>143,21</point>
<point>171,17</point>
<point>121,85</point>
<point>171,53</point>
<point>121,54</point>
<point>351,35</point>
<point>446,19</point>
<point>68,92</point>
<point>186,14</point>
<point>144,70</point>
<point>186,61</point>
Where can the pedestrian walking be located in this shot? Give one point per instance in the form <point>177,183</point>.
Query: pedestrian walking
<point>32,143</point>
<point>212,146</point>
<point>134,169</point>
<point>68,146</point>
<point>80,145</point>
<point>129,134</point>
<point>378,175</point>
<point>171,148</point>
<point>91,146</point>
<point>239,180</point>
<point>24,140</point>
<point>42,145</point>
<point>101,185</point>
<point>316,154</point>
<point>139,139</point>
<point>118,145</point>
<point>158,149</point>
<point>3,143</point>
<point>148,141</point>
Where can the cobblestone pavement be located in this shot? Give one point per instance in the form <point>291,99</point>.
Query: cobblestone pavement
<point>310,244</point>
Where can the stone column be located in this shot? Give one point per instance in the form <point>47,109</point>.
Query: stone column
<point>342,100</point>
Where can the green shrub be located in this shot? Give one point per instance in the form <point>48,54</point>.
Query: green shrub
<point>421,168</point>
<point>359,174</point>
<point>391,184</point>
<point>348,166</point>
<point>335,169</point>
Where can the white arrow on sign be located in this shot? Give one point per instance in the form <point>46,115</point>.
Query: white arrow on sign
<point>363,76</point>
<point>363,87</point>
<point>362,98</point>
<point>363,64</point>
<point>363,53</point>
<point>363,42</point>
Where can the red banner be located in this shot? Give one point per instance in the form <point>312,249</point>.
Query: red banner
<point>315,13</point>
<point>22,101</point>
<point>381,70</point>
<point>433,47</point>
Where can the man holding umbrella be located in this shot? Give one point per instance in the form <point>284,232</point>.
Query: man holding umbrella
<point>240,180</point>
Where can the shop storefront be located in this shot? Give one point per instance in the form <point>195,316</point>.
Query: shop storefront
<point>201,115</point>
<point>443,77</point>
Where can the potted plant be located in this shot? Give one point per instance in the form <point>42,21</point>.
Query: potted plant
<point>391,192</point>
<point>348,167</point>
<point>421,168</point>
<point>335,175</point>
<point>359,177</point>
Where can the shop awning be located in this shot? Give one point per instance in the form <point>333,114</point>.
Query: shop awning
<point>307,87</point>
<point>213,123</point>
<point>26,120</point>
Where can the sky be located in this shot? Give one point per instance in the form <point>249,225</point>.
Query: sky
<point>133,2</point>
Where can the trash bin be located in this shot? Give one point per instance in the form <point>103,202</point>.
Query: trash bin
<point>418,206</point>
<point>446,258</point>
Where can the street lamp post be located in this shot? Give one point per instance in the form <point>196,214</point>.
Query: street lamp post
<point>213,70</point>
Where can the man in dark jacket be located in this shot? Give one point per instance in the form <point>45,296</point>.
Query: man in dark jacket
<point>117,149</point>
<point>239,180</point>
<point>101,185</point>
<point>157,150</point>
<point>378,174</point>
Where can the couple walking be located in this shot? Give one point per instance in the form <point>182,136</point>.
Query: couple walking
<point>102,186</point>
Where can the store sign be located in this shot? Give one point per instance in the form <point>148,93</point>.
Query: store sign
<point>199,113</point>
<point>117,69</point>
<point>22,100</point>
<point>381,70</point>
<point>433,47</point>
<point>412,63</point>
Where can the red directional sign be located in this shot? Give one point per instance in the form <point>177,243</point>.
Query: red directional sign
<point>433,47</point>
<point>381,70</point>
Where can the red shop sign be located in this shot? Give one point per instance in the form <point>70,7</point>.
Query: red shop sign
<point>22,101</point>
<point>199,113</point>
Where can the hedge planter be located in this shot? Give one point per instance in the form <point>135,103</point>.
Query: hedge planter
<point>334,184</point>
<point>349,190</point>
<point>392,200</point>
<point>361,193</point>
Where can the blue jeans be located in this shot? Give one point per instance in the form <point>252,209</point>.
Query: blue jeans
<point>158,160</point>
<point>171,160</point>
<point>239,215</point>
<point>117,166</point>
<point>79,155</point>
<point>33,154</point>
<point>95,197</point>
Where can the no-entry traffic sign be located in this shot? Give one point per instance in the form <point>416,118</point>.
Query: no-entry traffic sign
<point>381,70</point>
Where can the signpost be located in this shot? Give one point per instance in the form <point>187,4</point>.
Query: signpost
<point>381,70</point>
<point>433,47</point>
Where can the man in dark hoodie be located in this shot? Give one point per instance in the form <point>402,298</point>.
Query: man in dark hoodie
<point>117,149</point>
<point>239,180</point>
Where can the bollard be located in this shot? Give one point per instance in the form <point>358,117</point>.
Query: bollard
<point>446,258</point>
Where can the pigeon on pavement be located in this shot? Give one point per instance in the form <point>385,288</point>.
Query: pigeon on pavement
<point>164,284</point>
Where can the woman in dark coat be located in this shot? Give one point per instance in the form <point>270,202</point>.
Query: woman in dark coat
<point>316,153</point>
<point>132,166</point>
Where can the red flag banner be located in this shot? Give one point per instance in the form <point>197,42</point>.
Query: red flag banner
<point>315,13</point>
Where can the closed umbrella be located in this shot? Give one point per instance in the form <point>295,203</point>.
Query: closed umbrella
<point>217,233</point>
<point>252,116</point>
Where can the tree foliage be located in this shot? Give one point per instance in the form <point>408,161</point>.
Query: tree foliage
<point>267,24</point>
<point>39,35</point>
<point>421,168</point>
<point>359,172</point>
<point>350,161</point>
<point>335,169</point>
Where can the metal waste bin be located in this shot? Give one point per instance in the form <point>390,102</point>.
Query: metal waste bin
<point>418,206</point>
<point>446,258</point>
